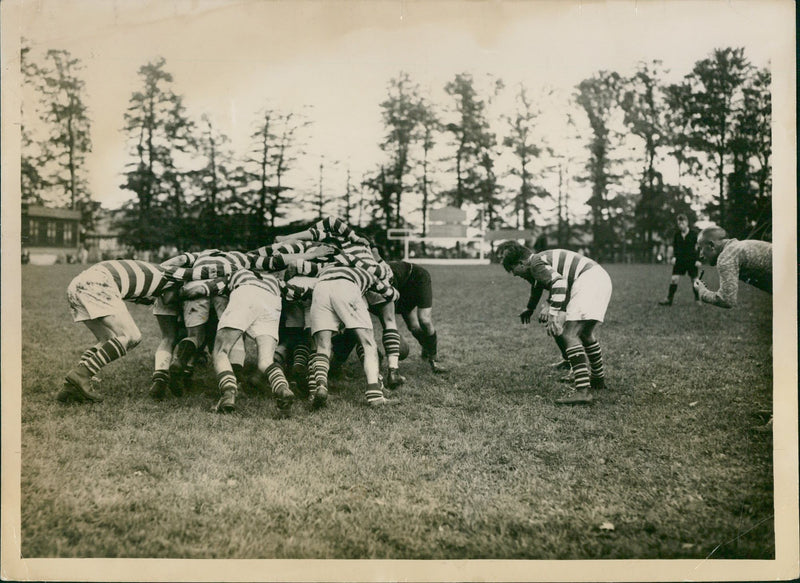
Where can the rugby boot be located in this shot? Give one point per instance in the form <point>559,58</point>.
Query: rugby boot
<point>577,398</point>
<point>227,403</point>
<point>177,368</point>
<point>598,383</point>
<point>284,397</point>
<point>82,385</point>
<point>319,398</point>
<point>394,379</point>
<point>158,390</point>
<point>436,367</point>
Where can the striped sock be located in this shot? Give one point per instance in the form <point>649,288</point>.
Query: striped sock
<point>160,375</point>
<point>300,358</point>
<point>110,350</point>
<point>374,392</point>
<point>226,381</point>
<point>88,353</point>
<point>595,355</point>
<point>277,380</point>
<point>580,366</point>
<point>391,345</point>
<point>320,363</point>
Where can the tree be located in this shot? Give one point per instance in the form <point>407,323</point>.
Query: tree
<point>429,127</point>
<point>520,140</point>
<point>713,102</point>
<point>32,182</point>
<point>158,129</point>
<point>67,117</point>
<point>750,182</point>
<point>402,114</point>
<point>598,96</point>
<point>470,136</point>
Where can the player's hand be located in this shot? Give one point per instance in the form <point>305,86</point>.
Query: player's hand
<point>321,251</point>
<point>699,286</point>
<point>362,241</point>
<point>555,325</point>
<point>672,261</point>
<point>698,264</point>
<point>291,271</point>
<point>525,317</point>
<point>543,317</point>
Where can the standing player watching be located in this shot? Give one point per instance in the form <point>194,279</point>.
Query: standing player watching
<point>579,294</point>
<point>97,298</point>
<point>684,259</point>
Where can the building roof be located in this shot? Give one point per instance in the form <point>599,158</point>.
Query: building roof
<point>50,213</point>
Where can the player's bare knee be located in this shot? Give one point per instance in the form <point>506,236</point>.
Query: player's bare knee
<point>674,279</point>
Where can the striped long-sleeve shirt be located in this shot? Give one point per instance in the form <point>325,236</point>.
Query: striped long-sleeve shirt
<point>333,227</point>
<point>242,277</point>
<point>187,259</point>
<point>363,279</point>
<point>555,270</point>
<point>139,279</point>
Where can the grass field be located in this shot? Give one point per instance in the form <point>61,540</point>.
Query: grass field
<point>478,464</point>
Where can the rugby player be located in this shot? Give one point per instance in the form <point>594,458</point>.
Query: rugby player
<point>684,259</point>
<point>579,294</point>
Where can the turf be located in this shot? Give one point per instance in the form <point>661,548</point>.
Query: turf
<point>477,464</point>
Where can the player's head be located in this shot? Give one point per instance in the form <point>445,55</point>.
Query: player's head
<point>682,220</point>
<point>710,243</point>
<point>511,253</point>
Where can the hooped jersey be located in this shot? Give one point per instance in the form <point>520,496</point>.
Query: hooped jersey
<point>555,270</point>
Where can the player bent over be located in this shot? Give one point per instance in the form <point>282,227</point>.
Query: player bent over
<point>338,301</point>
<point>97,298</point>
<point>254,308</point>
<point>566,274</point>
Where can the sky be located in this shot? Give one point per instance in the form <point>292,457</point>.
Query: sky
<point>333,60</point>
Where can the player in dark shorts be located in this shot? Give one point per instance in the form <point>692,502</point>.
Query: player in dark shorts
<point>415,305</point>
<point>684,259</point>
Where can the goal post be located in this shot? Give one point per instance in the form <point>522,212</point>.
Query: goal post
<point>408,236</point>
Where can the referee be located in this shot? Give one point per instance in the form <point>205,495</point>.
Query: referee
<point>684,259</point>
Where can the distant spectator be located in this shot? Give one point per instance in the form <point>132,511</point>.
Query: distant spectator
<point>684,259</point>
<point>83,254</point>
<point>26,257</point>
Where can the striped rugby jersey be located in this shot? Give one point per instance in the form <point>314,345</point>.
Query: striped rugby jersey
<point>187,259</point>
<point>332,227</point>
<point>555,270</point>
<point>363,279</point>
<point>139,279</point>
<point>239,278</point>
<point>351,245</point>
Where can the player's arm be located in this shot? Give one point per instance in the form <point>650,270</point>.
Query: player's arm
<point>297,289</point>
<point>726,296</point>
<point>204,288</point>
<point>383,289</point>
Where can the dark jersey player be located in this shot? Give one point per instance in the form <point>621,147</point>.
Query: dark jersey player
<point>684,259</point>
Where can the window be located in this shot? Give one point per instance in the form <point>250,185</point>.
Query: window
<point>33,230</point>
<point>51,231</point>
<point>67,234</point>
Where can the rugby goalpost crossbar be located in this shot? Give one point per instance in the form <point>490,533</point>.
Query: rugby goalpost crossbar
<point>407,235</point>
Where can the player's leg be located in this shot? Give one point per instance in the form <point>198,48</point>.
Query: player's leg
<point>579,363</point>
<point>116,334</point>
<point>430,346</point>
<point>195,316</point>
<point>226,379</point>
<point>594,354</point>
<point>691,271</point>
<point>273,374</point>
<point>374,391</point>
<point>391,345</point>
<point>168,326</point>
<point>673,285</point>
<point>320,365</point>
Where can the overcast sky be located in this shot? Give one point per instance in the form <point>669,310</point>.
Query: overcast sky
<point>230,59</point>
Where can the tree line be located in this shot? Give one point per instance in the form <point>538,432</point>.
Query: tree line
<point>189,189</point>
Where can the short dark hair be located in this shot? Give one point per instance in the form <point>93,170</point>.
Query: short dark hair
<point>511,253</point>
<point>682,217</point>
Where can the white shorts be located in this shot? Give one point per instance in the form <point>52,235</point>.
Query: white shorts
<point>253,310</point>
<point>94,294</point>
<point>160,308</point>
<point>196,312</point>
<point>590,295</point>
<point>337,303</point>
